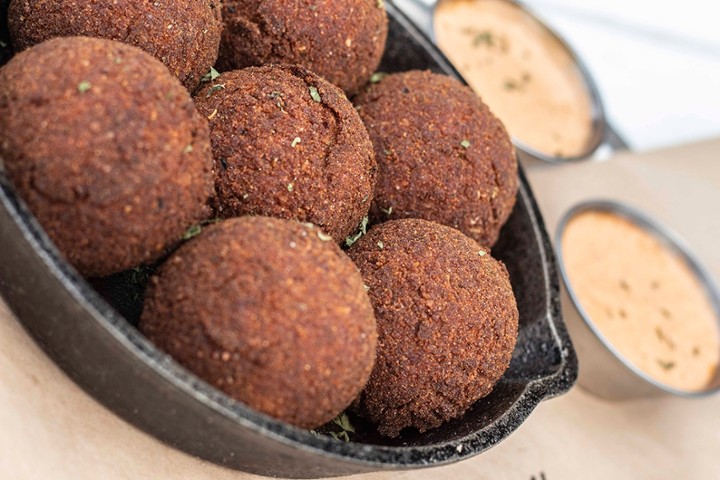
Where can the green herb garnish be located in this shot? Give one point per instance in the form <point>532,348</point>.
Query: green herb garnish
<point>343,421</point>
<point>291,187</point>
<point>381,245</point>
<point>211,76</point>
<point>192,232</point>
<point>295,142</point>
<point>188,149</point>
<point>387,211</point>
<point>315,94</point>
<point>381,3</point>
<point>350,241</point>
<point>84,86</point>
<point>377,77</point>
<point>465,144</point>
<point>343,436</point>
<point>215,88</point>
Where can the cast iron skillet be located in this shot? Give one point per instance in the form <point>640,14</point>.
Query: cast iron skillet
<point>102,351</point>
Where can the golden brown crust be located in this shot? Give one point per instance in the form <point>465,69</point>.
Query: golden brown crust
<point>107,149</point>
<point>184,35</point>
<point>268,312</point>
<point>442,155</point>
<point>447,323</point>
<point>341,40</point>
<point>280,152</point>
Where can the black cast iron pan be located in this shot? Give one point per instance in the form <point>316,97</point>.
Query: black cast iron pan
<point>92,337</point>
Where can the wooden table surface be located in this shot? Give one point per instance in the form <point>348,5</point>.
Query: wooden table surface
<point>50,429</point>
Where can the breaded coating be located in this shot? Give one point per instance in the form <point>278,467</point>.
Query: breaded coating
<point>288,144</point>
<point>269,311</point>
<point>447,323</point>
<point>107,149</point>
<point>442,155</point>
<point>341,40</point>
<point>184,35</point>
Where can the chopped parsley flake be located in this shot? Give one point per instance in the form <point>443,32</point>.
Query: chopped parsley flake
<point>84,86</point>
<point>377,77</point>
<point>215,88</point>
<point>211,76</point>
<point>343,421</point>
<point>350,241</point>
<point>192,232</point>
<point>315,94</point>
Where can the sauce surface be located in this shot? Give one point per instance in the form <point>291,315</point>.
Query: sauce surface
<point>644,299</point>
<point>523,73</point>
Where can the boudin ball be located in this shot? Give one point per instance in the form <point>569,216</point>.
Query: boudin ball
<point>106,148</point>
<point>269,311</point>
<point>341,40</point>
<point>184,35</point>
<point>442,155</point>
<point>447,323</point>
<point>288,144</point>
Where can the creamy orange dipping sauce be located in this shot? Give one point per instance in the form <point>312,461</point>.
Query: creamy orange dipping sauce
<point>644,299</point>
<point>522,72</point>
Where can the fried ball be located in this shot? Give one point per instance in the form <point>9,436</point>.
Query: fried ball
<point>447,323</point>
<point>269,311</point>
<point>288,144</point>
<point>341,40</point>
<point>107,149</point>
<point>442,155</point>
<point>184,35</point>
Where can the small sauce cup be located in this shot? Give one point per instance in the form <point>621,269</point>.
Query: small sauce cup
<point>604,369</point>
